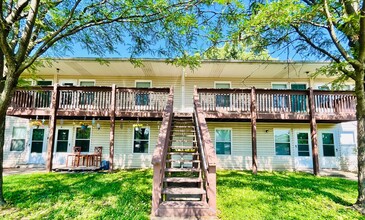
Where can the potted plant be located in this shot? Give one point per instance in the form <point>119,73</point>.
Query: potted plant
<point>36,123</point>
<point>83,125</point>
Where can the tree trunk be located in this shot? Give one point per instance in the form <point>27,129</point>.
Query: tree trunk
<point>360,116</point>
<point>6,93</point>
<point>2,140</point>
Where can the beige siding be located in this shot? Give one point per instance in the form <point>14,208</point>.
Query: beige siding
<point>241,156</point>
<point>124,156</point>
<point>14,158</point>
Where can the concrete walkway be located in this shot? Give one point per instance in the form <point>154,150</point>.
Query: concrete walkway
<point>323,172</point>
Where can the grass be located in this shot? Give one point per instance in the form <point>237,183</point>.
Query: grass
<point>127,195</point>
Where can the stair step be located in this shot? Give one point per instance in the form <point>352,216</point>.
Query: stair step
<point>183,191</point>
<point>182,170</point>
<point>183,147</point>
<point>183,126</point>
<point>183,204</point>
<point>183,161</point>
<point>183,135</point>
<point>185,210</point>
<point>182,180</point>
<point>183,141</point>
<point>184,153</point>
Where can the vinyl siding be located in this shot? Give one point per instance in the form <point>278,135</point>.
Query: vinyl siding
<point>14,158</point>
<point>241,156</point>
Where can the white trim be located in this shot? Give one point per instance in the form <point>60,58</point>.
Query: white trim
<point>86,80</point>
<point>222,82</point>
<point>302,130</point>
<point>290,142</point>
<point>335,144</point>
<point>63,81</point>
<point>215,140</point>
<point>68,141</point>
<point>149,140</point>
<point>25,138</point>
<point>280,83</point>
<point>137,81</point>
<point>75,133</point>
<point>35,82</point>
<point>298,83</point>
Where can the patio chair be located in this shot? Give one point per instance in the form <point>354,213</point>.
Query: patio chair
<point>98,152</point>
<point>76,153</point>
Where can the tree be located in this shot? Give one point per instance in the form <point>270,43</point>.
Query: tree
<point>328,29</point>
<point>236,51</point>
<point>30,29</point>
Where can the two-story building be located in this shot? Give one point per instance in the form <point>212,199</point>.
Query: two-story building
<point>252,108</point>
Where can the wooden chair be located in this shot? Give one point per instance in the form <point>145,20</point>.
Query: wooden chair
<point>98,152</point>
<point>76,153</point>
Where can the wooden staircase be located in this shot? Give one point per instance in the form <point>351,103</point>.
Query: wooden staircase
<point>184,166</point>
<point>183,193</point>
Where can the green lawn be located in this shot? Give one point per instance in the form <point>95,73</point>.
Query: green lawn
<point>127,195</point>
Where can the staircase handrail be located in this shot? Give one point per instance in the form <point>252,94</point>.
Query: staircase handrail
<point>159,154</point>
<point>208,155</point>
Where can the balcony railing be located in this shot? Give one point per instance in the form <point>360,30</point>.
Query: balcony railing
<point>88,100</point>
<point>272,104</point>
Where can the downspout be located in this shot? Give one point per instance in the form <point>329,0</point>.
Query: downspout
<point>183,108</point>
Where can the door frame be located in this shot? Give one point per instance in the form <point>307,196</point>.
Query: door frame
<point>297,158</point>
<point>44,147</point>
<point>324,159</point>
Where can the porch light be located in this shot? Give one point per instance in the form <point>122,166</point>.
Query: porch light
<point>61,122</point>
<point>93,121</point>
<point>98,125</point>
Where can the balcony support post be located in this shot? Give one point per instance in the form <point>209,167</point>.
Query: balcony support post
<point>253,130</point>
<point>112,127</point>
<point>314,137</point>
<point>52,127</point>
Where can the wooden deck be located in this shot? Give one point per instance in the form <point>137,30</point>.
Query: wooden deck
<point>278,105</point>
<point>76,169</point>
<point>95,101</point>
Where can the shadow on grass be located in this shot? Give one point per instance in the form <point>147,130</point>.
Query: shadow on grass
<point>121,195</point>
<point>288,184</point>
<point>284,195</point>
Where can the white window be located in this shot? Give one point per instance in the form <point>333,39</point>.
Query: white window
<point>280,101</point>
<point>143,98</point>
<point>222,100</point>
<point>279,85</point>
<point>18,139</point>
<point>62,140</point>
<point>87,83</point>
<point>223,141</point>
<point>141,139</point>
<point>82,139</point>
<point>44,83</point>
<point>282,142</point>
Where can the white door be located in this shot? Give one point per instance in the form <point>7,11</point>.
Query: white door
<point>303,150</point>
<point>38,146</point>
<point>328,151</point>
<point>62,146</point>
<point>348,150</point>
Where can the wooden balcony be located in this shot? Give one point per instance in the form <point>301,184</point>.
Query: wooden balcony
<point>96,101</point>
<point>278,105</point>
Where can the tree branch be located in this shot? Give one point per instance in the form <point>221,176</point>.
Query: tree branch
<point>28,29</point>
<point>15,13</point>
<point>333,35</point>
<point>362,34</point>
